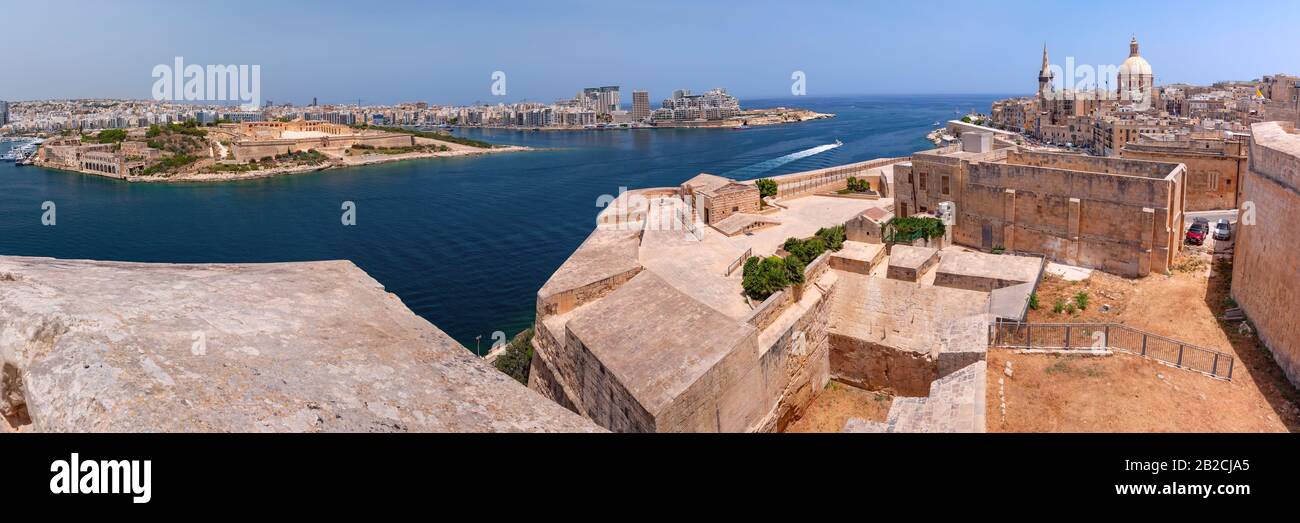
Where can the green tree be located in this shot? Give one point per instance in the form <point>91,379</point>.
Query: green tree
<point>766,187</point>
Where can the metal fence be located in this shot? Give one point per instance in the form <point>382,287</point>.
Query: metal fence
<point>740,262</point>
<point>1110,336</point>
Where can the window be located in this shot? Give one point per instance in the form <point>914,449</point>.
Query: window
<point>735,209</point>
<point>943,185</point>
<point>923,181</point>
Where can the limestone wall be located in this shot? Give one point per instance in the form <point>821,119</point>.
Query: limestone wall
<point>246,150</point>
<point>830,179</point>
<point>873,366</point>
<point>1126,225</point>
<point>1214,170</point>
<point>1266,263</point>
<point>795,366</point>
<point>723,205</point>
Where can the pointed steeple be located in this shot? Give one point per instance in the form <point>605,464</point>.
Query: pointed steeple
<point>1045,61</point>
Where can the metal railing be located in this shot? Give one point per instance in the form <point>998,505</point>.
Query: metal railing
<point>1114,337</point>
<point>740,262</point>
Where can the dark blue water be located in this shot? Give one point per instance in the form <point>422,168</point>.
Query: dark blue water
<point>465,242</point>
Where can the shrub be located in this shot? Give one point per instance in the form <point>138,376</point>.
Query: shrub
<point>1033,301</point>
<point>766,187</point>
<point>170,163</point>
<point>1081,299</point>
<point>833,237</point>
<point>763,277</point>
<point>999,250</point>
<point>1058,307</point>
<point>106,136</point>
<point>911,228</point>
<point>518,357</point>
<point>1061,366</point>
<point>825,239</point>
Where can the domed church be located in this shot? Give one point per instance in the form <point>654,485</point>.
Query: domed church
<point>1135,81</point>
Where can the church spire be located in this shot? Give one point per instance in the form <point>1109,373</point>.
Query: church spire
<point>1133,46</point>
<point>1045,59</point>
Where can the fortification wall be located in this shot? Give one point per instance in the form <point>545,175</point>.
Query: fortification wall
<point>1265,269</point>
<point>1126,225</point>
<point>1213,177</point>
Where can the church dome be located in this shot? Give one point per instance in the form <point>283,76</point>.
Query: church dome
<point>1135,65</point>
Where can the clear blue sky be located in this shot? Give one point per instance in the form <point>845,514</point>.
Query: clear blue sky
<point>445,52</point>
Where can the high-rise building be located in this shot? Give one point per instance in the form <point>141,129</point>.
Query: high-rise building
<point>604,100</point>
<point>4,112</point>
<point>640,105</point>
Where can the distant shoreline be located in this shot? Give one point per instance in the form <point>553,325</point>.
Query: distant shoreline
<point>758,118</point>
<point>337,163</point>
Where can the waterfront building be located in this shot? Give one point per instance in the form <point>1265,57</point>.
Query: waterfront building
<point>640,105</point>
<point>4,112</point>
<point>715,104</point>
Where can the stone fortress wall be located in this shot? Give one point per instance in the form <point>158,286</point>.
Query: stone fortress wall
<point>1121,216</point>
<point>258,140</point>
<point>635,339</point>
<point>1215,167</point>
<point>1266,260</point>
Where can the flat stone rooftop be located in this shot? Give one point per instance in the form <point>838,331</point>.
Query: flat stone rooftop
<point>285,347</point>
<point>910,257</point>
<point>1003,267</point>
<point>655,339</point>
<point>860,251</point>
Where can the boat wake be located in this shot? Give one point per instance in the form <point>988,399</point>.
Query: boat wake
<point>748,172</point>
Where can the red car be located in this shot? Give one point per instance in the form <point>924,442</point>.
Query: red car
<point>1196,234</point>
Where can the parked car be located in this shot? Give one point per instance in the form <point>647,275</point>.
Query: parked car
<point>1223,230</point>
<point>1197,232</point>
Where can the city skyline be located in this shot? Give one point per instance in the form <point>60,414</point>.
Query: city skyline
<point>751,50</point>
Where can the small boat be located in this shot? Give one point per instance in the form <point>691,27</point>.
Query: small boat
<point>838,143</point>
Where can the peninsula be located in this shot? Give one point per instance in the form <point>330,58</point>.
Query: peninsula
<point>235,151</point>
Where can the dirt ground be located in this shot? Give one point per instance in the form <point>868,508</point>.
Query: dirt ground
<point>838,402</point>
<point>1126,393</point>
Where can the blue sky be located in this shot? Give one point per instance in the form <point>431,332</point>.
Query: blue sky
<point>445,52</point>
